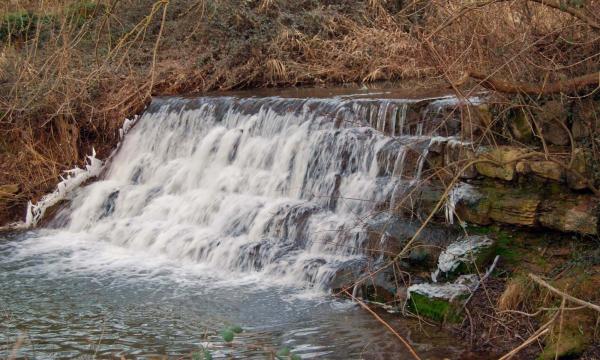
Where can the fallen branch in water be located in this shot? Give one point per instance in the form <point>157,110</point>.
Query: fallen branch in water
<point>391,329</point>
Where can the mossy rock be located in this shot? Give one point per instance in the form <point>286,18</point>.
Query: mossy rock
<point>506,248</point>
<point>520,126</point>
<point>572,342</point>
<point>436,309</point>
<point>504,244</point>
<point>499,162</point>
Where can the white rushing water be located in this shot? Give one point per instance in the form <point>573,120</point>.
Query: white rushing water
<point>273,186</point>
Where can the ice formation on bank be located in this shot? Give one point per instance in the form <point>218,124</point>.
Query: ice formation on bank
<point>72,180</point>
<point>463,285</point>
<point>459,192</point>
<point>460,251</point>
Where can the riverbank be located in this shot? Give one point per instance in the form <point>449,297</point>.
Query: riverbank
<point>72,71</point>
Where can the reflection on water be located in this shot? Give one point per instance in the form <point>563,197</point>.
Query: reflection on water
<point>71,299</point>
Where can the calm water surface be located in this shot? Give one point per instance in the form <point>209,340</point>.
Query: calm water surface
<point>67,298</point>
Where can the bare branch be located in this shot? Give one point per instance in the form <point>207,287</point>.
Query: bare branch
<point>541,282</point>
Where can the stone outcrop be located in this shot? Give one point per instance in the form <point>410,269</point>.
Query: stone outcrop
<point>530,206</point>
<point>579,166</point>
<point>475,121</point>
<point>387,235</point>
<point>570,214</point>
<point>552,118</point>
<point>543,168</point>
<point>515,210</point>
<point>500,204</point>
<point>511,163</point>
<point>499,162</point>
<point>521,127</point>
<point>586,118</point>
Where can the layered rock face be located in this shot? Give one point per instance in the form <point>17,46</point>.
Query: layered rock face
<point>542,172</point>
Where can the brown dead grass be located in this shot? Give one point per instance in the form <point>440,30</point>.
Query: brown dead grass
<point>514,294</point>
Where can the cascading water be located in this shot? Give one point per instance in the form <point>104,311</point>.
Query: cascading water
<point>206,209</point>
<point>269,185</point>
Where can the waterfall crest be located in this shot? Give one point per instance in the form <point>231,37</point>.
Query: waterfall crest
<point>271,185</point>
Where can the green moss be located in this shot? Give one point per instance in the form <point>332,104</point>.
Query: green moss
<point>435,309</point>
<point>23,25</point>
<point>506,248</point>
<point>572,343</point>
<point>478,230</point>
<point>479,261</point>
<point>227,335</point>
<point>202,355</point>
<point>236,329</point>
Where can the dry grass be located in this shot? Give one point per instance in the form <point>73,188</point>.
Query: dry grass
<point>516,292</point>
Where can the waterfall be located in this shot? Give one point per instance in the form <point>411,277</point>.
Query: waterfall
<point>276,186</point>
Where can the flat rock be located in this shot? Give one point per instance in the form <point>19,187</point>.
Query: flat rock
<point>542,168</point>
<point>514,209</point>
<point>503,162</point>
<point>573,214</point>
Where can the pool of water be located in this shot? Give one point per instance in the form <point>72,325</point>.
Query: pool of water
<point>66,296</point>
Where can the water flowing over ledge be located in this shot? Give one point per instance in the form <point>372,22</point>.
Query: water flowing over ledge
<point>276,186</point>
